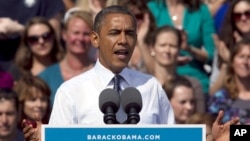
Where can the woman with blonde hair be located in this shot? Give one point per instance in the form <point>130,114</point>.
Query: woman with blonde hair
<point>77,26</point>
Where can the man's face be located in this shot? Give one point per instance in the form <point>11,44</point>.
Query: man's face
<point>116,41</point>
<point>8,118</point>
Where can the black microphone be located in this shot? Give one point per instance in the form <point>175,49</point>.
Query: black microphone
<point>131,101</point>
<point>109,103</point>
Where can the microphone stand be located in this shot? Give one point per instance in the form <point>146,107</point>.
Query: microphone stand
<point>133,116</point>
<point>110,117</point>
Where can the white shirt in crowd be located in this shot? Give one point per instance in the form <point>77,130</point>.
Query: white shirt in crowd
<point>77,100</point>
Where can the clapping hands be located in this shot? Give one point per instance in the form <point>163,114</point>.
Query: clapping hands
<point>32,130</point>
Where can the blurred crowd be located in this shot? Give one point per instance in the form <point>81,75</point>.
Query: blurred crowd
<point>198,50</point>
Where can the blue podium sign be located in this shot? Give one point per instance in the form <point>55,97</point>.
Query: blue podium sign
<point>124,133</point>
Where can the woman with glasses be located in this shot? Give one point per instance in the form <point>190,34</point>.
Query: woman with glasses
<point>236,26</point>
<point>39,49</point>
<point>77,26</point>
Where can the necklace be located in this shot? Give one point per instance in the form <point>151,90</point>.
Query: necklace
<point>174,17</point>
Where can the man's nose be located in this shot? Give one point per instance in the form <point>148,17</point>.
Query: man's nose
<point>122,38</point>
<point>3,118</point>
<point>189,106</point>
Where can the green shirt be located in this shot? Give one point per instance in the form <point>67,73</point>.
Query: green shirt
<point>199,27</point>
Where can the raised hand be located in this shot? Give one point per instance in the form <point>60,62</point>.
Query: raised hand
<point>184,40</point>
<point>9,26</point>
<point>222,49</point>
<point>32,129</point>
<point>143,29</point>
<point>237,36</point>
<point>95,6</point>
<point>220,131</point>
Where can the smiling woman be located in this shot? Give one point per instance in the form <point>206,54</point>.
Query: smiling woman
<point>77,26</point>
<point>234,97</point>
<point>33,95</point>
<point>236,26</point>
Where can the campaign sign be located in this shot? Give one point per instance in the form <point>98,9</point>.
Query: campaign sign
<point>125,133</point>
<point>239,132</point>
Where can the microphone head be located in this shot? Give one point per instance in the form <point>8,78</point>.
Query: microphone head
<point>131,97</point>
<point>109,98</point>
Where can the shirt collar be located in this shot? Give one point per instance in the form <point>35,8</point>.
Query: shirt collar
<point>105,75</point>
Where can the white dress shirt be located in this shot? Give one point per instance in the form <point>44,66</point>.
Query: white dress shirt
<point>77,100</point>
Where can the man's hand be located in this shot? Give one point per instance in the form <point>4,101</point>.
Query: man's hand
<point>220,132</point>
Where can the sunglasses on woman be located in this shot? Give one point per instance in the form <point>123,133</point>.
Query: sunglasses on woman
<point>34,39</point>
<point>237,15</point>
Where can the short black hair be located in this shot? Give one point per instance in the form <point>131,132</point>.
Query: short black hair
<point>9,94</point>
<point>115,9</point>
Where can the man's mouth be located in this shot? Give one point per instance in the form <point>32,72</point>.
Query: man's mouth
<point>121,52</point>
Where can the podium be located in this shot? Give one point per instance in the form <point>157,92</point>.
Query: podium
<point>178,132</point>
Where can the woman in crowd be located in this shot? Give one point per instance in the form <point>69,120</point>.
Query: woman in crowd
<point>39,49</point>
<point>33,95</point>
<point>194,19</point>
<point>161,60</point>
<point>234,97</point>
<point>236,26</point>
<point>76,34</point>
<point>181,97</point>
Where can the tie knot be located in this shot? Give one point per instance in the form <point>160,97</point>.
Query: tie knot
<point>117,79</point>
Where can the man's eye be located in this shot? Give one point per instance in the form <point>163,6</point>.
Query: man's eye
<point>113,33</point>
<point>131,33</point>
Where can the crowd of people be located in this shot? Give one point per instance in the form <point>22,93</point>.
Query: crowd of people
<point>190,61</point>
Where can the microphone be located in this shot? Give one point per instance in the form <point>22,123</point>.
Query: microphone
<point>109,103</point>
<point>131,101</point>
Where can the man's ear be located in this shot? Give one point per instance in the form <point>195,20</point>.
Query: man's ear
<point>94,39</point>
